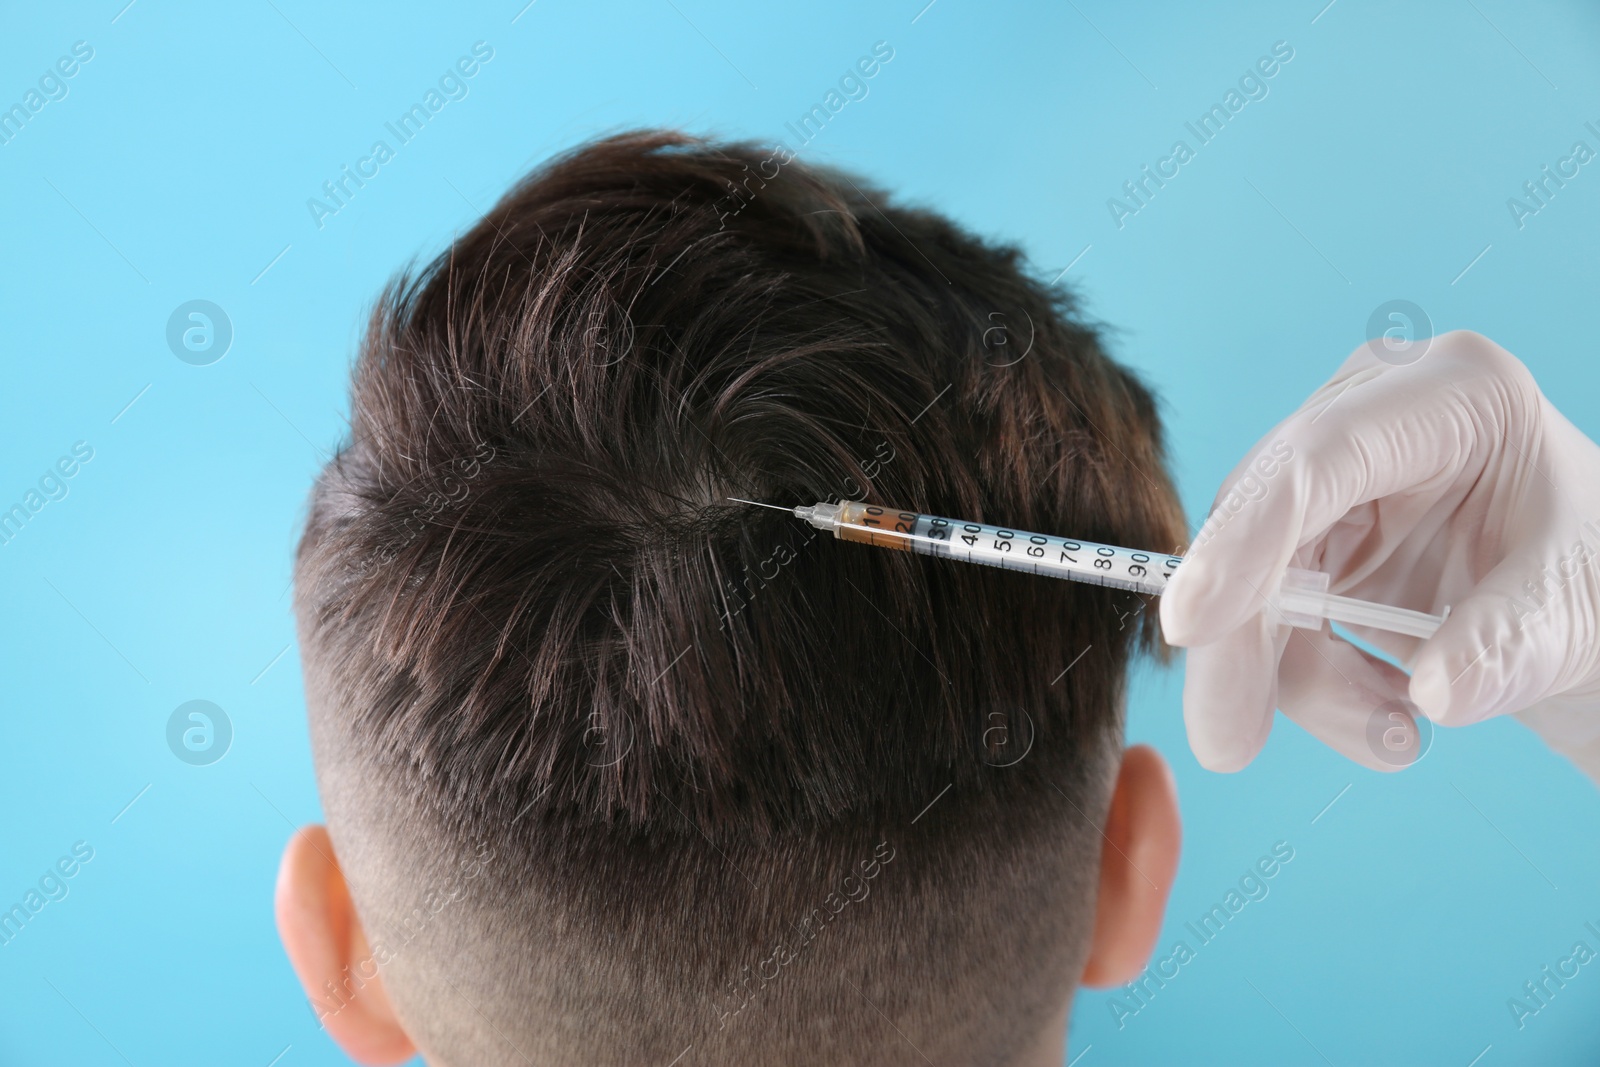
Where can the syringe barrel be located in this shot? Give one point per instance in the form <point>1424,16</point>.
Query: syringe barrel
<point>993,546</point>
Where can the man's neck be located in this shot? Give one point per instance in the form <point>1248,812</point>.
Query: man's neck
<point>1050,1050</point>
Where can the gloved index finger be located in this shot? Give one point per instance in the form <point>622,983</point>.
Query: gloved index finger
<point>1388,432</point>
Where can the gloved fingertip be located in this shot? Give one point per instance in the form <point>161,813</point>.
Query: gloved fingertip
<point>1188,605</point>
<point>1224,762</point>
<point>1177,624</point>
<point>1227,751</point>
<point>1430,690</point>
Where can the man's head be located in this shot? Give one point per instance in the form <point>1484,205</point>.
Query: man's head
<point>617,769</point>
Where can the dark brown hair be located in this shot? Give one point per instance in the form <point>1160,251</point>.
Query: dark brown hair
<point>532,618</point>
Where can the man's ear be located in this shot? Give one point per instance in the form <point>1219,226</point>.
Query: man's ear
<point>1138,862</point>
<point>327,947</point>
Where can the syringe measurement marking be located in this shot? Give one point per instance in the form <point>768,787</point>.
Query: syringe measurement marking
<point>1137,575</point>
<point>932,535</point>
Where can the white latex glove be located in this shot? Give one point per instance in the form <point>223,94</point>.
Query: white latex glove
<point>1450,480</point>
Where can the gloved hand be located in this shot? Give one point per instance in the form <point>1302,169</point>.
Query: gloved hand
<point>1448,480</point>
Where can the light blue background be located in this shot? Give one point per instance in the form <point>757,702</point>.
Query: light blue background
<point>179,166</point>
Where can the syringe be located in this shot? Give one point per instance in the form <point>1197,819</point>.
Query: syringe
<point>1301,600</point>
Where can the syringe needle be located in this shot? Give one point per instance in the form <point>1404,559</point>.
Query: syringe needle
<point>759,504</point>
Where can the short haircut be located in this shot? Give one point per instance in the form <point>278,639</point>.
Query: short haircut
<point>617,767</point>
